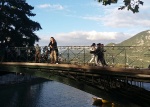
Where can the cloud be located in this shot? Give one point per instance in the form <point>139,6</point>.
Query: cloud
<point>88,35</point>
<point>115,18</point>
<point>84,38</point>
<point>51,6</point>
<point>125,18</point>
<point>122,19</point>
<point>93,35</point>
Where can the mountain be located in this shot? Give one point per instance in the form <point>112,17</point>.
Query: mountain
<point>140,39</point>
<point>135,56</point>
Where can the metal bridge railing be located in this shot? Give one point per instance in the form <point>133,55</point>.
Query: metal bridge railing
<point>116,56</point>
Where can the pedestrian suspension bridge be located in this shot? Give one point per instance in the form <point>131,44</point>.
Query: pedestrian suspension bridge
<point>128,67</point>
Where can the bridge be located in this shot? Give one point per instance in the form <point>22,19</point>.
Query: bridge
<point>127,70</point>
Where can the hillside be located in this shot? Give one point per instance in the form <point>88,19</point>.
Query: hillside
<point>135,56</point>
<point>140,39</point>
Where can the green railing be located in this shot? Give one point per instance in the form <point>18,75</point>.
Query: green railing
<point>115,56</point>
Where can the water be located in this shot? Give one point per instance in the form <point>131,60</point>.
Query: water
<point>45,94</point>
<point>49,94</point>
<point>146,86</point>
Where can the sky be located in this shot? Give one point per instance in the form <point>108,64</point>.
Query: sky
<point>83,22</point>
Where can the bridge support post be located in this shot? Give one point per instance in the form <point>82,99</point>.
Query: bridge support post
<point>125,59</point>
<point>84,56</point>
<point>68,54</point>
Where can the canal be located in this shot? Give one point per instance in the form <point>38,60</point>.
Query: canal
<point>46,93</point>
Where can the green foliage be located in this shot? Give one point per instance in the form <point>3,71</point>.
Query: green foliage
<point>132,5</point>
<point>16,28</point>
<point>106,2</point>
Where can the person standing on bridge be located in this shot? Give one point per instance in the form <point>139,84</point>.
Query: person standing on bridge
<point>100,54</point>
<point>53,51</point>
<point>93,55</point>
<point>103,56</point>
<point>37,53</point>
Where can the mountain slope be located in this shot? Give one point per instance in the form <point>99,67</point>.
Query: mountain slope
<point>140,39</point>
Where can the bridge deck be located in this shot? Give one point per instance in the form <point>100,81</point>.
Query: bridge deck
<point>141,74</point>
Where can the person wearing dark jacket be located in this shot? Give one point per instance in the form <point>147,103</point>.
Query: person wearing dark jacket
<point>53,50</point>
<point>103,58</point>
<point>100,55</point>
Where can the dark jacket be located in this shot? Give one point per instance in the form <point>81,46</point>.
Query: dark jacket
<point>53,47</point>
<point>99,52</point>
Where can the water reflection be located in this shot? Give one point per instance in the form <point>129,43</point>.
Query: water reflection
<point>50,94</point>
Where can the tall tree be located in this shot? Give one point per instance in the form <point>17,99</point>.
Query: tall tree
<point>16,27</point>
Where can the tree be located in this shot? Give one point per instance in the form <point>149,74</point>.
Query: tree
<point>132,5</point>
<point>16,28</point>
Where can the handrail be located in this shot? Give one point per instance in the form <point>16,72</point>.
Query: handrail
<point>115,56</point>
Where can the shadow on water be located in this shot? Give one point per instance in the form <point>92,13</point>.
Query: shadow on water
<point>130,96</point>
<point>35,94</point>
<point>19,94</point>
<point>22,95</point>
<point>115,99</point>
